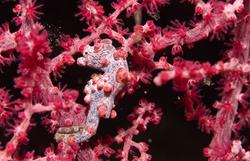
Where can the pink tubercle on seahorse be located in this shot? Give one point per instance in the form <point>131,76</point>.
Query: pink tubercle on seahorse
<point>101,90</point>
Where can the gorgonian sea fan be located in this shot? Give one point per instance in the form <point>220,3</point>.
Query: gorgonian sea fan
<point>126,58</point>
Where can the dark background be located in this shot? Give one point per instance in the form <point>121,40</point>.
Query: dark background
<point>174,139</point>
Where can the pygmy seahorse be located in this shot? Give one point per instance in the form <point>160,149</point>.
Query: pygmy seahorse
<point>101,90</point>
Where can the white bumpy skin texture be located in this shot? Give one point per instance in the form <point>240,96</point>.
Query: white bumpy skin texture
<point>101,90</point>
